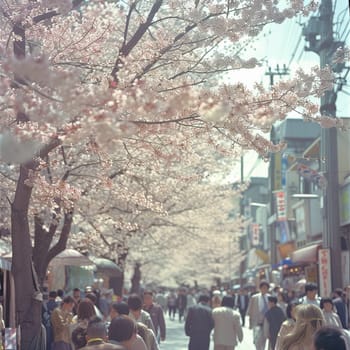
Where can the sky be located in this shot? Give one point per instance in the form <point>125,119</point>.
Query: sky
<point>283,44</point>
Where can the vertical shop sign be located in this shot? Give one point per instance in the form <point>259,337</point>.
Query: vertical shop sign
<point>324,265</point>
<point>281,206</point>
<point>255,234</point>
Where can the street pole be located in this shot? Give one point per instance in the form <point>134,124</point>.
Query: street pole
<point>271,225</point>
<point>319,34</point>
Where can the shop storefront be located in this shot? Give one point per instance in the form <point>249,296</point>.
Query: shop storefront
<point>305,262</point>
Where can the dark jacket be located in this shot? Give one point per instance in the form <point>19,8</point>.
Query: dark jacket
<point>181,301</point>
<point>275,317</point>
<point>242,308</point>
<point>199,320</point>
<point>341,308</point>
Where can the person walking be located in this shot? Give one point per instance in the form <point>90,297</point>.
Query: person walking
<point>171,304</point>
<point>311,294</point>
<point>341,307</point>
<point>199,323</point>
<point>78,328</point>
<point>330,316</point>
<point>136,312</point>
<point>156,313</point>
<point>227,325</point>
<point>309,319</point>
<point>257,308</point>
<point>181,303</point>
<point>96,337</point>
<point>242,304</point>
<point>273,320</point>
<point>288,325</point>
<point>61,318</point>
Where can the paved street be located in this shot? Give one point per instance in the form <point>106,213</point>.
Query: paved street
<point>176,339</point>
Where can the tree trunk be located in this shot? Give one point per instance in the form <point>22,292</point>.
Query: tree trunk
<point>117,283</point>
<point>28,298</point>
<point>136,279</point>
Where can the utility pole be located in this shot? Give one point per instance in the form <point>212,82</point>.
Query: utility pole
<point>273,186</point>
<point>319,34</point>
<point>271,73</point>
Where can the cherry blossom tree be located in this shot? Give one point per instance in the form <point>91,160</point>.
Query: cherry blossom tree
<point>110,81</point>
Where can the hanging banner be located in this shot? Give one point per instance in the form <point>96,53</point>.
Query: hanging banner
<point>324,271</point>
<point>281,206</point>
<point>255,234</point>
<point>312,175</point>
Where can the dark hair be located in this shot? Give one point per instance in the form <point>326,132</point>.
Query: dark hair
<point>264,283</point>
<point>86,309</point>
<point>309,287</point>
<point>60,293</point>
<point>76,290</point>
<point>339,292</point>
<point>53,294</point>
<point>290,307</point>
<point>329,338</point>
<point>134,302</point>
<point>121,308</point>
<point>148,292</point>
<point>96,328</point>
<point>68,300</point>
<point>121,328</point>
<point>325,300</point>
<point>204,298</point>
<point>272,299</point>
<point>228,301</point>
<point>92,297</point>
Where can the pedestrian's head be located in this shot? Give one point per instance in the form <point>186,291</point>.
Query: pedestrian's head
<point>309,318</point>
<point>96,329</point>
<point>338,292</point>
<point>76,293</point>
<point>264,287</point>
<point>272,300</point>
<point>311,290</point>
<point>290,310</point>
<point>53,295</point>
<point>120,308</point>
<point>228,301</point>
<point>122,329</point>
<point>86,309</point>
<point>134,302</point>
<point>326,304</point>
<point>67,303</point>
<point>92,297</point>
<point>148,298</point>
<point>204,298</point>
<point>329,338</point>
<point>60,293</point>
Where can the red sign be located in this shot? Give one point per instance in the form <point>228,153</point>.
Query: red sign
<point>281,206</point>
<point>324,266</point>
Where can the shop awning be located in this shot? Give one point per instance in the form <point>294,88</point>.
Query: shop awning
<point>106,266</point>
<point>306,255</point>
<point>71,257</point>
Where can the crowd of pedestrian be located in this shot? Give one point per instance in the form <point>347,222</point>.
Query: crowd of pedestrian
<point>283,320</point>
<point>86,321</point>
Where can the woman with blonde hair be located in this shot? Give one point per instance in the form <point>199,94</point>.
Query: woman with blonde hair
<point>309,319</point>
